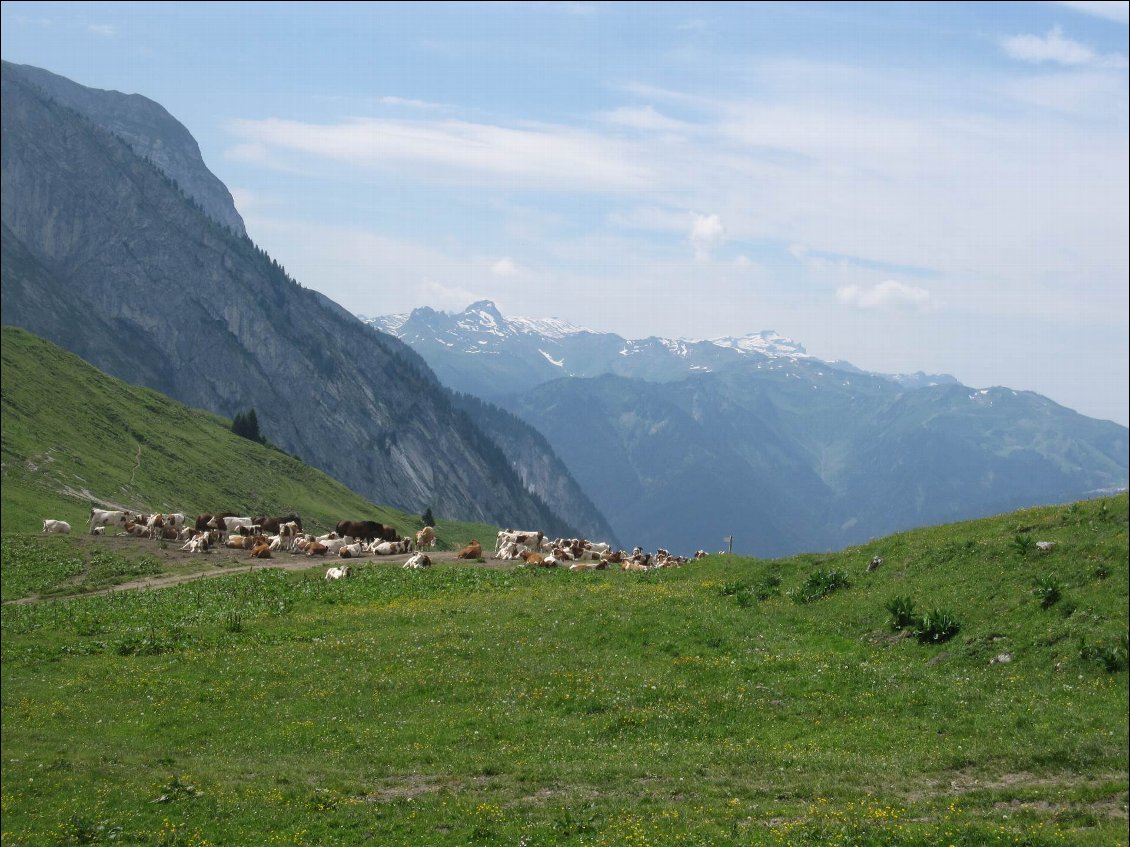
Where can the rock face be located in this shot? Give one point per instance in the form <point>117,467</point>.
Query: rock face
<point>150,131</point>
<point>542,472</point>
<point>106,256</point>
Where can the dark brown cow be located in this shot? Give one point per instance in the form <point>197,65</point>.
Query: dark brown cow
<point>271,525</point>
<point>367,530</point>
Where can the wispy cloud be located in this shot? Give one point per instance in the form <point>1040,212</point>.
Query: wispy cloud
<point>1113,10</point>
<point>888,295</point>
<point>531,156</point>
<point>643,117</point>
<point>1056,47</point>
<point>105,30</point>
<point>504,267</point>
<point>411,104</point>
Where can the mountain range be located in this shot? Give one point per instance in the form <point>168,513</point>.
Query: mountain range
<point>689,442</point>
<point>120,246</point>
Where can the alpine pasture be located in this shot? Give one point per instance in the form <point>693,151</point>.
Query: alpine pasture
<point>968,688</point>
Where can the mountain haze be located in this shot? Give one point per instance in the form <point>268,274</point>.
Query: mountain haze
<point>684,443</point>
<point>107,256</point>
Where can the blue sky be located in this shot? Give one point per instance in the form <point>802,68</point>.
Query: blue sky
<point>938,187</point>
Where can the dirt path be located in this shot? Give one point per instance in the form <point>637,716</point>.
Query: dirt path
<point>182,566</point>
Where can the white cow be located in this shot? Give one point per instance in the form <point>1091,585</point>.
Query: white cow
<point>56,526</point>
<point>339,573</point>
<point>102,517</point>
<point>530,540</point>
<point>418,561</point>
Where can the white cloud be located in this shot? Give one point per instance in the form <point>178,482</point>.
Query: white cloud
<point>459,152</point>
<point>886,295</point>
<point>1055,47</point>
<point>1112,10</point>
<point>106,30</point>
<point>707,233</point>
<point>410,103</point>
<point>643,117</point>
<point>504,267</point>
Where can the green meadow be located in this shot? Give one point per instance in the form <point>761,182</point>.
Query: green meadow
<point>730,701</point>
<point>970,690</point>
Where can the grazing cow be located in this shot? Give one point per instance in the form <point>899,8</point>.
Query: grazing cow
<point>474,550</point>
<point>417,561</point>
<point>426,537</point>
<point>343,572</point>
<point>367,530</point>
<point>204,522</point>
<point>101,517</point>
<point>261,551</point>
<point>874,564</point>
<point>56,526</point>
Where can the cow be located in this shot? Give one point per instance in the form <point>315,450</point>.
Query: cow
<point>199,543</point>
<point>233,523</point>
<point>98,530</point>
<point>426,537</point>
<point>390,548</point>
<point>261,551</point>
<point>531,540</point>
<point>316,548</point>
<point>367,530</point>
<point>417,561</point>
<point>474,550</point>
<point>507,552</point>
<point>339,573</point>
<point>138,530</point>
<point>272,525</point>
<point>351,551</point>
<point>101,517</point>
<point>50,525</point>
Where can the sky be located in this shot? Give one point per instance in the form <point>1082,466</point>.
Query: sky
<point>938,187</point>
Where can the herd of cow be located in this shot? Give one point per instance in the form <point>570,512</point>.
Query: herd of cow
<point>261,535</point>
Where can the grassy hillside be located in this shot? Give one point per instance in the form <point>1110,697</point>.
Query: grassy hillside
<point>722,703</point>
<point>74,437</point>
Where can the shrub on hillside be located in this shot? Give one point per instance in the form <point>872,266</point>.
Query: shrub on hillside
<point>1047,590</point>
<point>821,584</point>
<point>936,626</point>
<point>902,612</point>
<point>1112,657</point>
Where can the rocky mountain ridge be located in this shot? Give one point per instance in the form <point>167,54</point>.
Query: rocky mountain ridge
<point>521,353</point>
<point>105,255</point>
